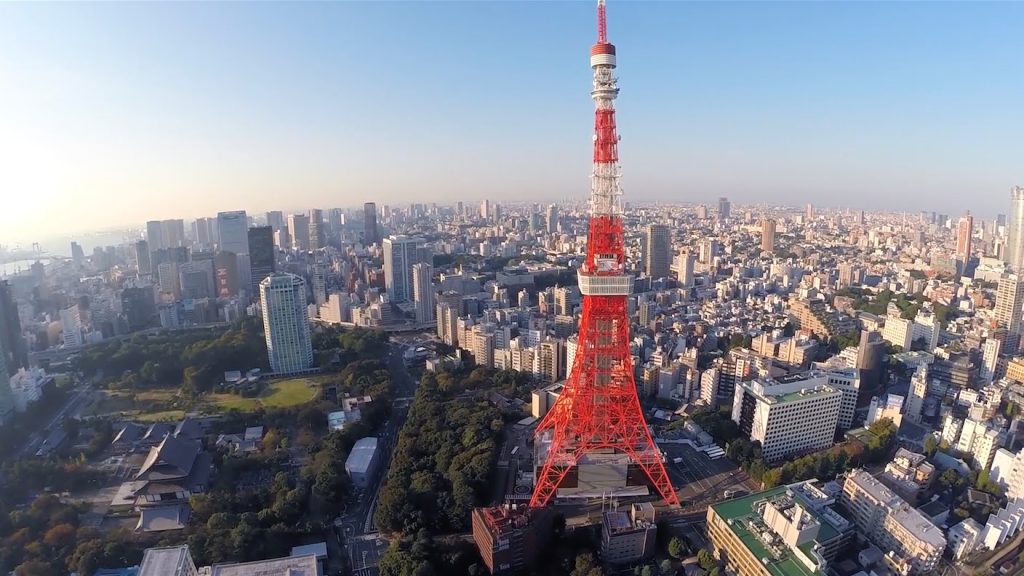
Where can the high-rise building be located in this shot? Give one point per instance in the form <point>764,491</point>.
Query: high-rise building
<point>552,219</point>
<point>768,227</point>
<point>165,234</point>
<point>262,255</point>
<point>138,307</point>
<point>1015,230</point>
<point>232,228</point>
<point>370,233</point>
<point>174,233</point>
<point>449,308</point>
<point>204,232</point>
<point>155,235</point>
<point>318,280</point>
<point>12,342</point>
<point>168,278</point>
<point>1009,300</point>
<point>423,292</point>
<point>848,274</point>
<point>71,326</point>
<point>657,250</point>
<point>226,269</point>
<point>990,352</point>
<point>143,259</point>
<point>724,208</point>
<point>335,221</point>
<point>197,279</point>
<point>870,358</point>
<point>298,230</point>
<point>285,323</point>
<point>787,417</point>
<point>282,240</point>
<point>685,264</point>
<point>275,219</point>
<point>77,254</point>
<point>709,248</point>
<point>233,233</point>
<point>810,212</point>
<point>400,253</point>
<point>964,233</point>
<point>317,238</point>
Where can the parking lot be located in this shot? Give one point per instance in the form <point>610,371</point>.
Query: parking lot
<point>699,480</point>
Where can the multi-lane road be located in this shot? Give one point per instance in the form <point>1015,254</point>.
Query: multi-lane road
<point>701,481</point>
<point>356,527</point>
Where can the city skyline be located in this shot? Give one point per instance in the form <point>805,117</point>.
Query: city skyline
<point>783,103</point>
<point>441,386</point>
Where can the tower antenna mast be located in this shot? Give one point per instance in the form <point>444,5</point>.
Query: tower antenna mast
<point>599,409</point>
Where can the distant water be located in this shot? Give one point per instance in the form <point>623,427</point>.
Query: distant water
<point>61,245</point>
<point>9,268</point>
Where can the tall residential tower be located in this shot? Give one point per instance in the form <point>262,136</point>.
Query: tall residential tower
<point>285,324</point>
<point>1015,233</point>
<point>657,250</point>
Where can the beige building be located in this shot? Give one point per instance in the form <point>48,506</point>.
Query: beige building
<point>908,475</point>
<point>915,545</point>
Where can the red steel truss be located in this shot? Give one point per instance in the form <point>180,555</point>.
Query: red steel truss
<point>599,408</point>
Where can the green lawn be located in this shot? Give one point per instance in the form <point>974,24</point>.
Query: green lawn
<point>279,394</point>
<point>234,402</point>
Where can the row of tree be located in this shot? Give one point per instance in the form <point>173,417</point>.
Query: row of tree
<point>195,359</point>
<point>442,464</point>
<point>824,465</point>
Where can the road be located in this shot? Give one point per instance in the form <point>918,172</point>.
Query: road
<point>356,526</point>
<point>701,481</point>
<point>71,407</point>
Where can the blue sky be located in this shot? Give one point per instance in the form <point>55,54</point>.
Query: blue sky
<point>116,113</point>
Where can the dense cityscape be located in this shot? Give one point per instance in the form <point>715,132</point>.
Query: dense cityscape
<point>509,387</point>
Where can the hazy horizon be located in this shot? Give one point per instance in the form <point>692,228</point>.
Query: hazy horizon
<point>121,113</point>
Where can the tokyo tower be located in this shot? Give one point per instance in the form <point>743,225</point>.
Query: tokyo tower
<point>599,409</point>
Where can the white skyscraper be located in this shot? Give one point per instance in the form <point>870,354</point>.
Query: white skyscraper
<point>423,292</point>
<point>71,324</point>
<point>285,323</point>
<point>1015,230</point>
<point>684,267</point>
<point>298,230</point>
<point>400,253</point>
<point>552,219</point>
<point>1009,296</point>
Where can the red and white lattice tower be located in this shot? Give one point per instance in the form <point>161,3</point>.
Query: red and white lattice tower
<point>599,408</point>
